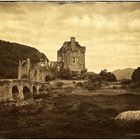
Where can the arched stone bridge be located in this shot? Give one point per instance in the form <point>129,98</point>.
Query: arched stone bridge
<point>18,88</point>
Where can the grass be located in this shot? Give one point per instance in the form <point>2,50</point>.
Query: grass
<point>74,116</point>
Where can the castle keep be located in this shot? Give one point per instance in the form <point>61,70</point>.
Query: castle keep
<point>72,55</point>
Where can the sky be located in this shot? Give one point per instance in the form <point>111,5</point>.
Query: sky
<point>109,30</point>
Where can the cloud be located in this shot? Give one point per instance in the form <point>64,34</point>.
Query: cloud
<point>10,8</point>
<point>109,30</point>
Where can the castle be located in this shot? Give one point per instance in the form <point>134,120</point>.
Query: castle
<point>70,56</point>
<point>31,77</point>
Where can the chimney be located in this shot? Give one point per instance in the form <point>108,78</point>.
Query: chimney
<point>72,39</point>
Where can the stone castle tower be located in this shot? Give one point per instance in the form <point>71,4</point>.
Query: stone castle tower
<point>72,55</point>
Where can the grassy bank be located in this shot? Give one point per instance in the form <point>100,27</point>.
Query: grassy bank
<point>69,116</point>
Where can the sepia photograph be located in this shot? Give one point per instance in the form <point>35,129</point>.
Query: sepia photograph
<point>69,70</point>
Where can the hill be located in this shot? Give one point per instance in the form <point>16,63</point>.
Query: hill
<point>11,53</point>
<point>124,73</point>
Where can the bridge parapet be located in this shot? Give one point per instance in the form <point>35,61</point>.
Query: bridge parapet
<point>18,88</point>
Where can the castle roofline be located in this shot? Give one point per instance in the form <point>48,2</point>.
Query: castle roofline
<point>70,45</point>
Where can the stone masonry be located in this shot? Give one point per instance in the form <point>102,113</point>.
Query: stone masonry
<point>72,55</point>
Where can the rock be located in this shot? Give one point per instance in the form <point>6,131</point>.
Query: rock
<point>128,116</point>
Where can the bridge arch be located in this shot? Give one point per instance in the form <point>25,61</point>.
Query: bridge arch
<point>26,92</point>
<point>15,92</point>
<point>47,78</point>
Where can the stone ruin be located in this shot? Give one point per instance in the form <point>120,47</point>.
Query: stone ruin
<point>32,76</point>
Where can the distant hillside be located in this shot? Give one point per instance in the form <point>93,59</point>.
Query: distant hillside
<point>124,73</point>
<point>11,53</point>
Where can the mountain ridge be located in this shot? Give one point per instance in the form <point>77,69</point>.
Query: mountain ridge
<point>125,73</point>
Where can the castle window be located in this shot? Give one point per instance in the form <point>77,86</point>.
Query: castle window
<point>74,60</point>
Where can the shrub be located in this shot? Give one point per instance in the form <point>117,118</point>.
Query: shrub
<point>134,86</point>
<point>83,73</point>
<point>73,82</point>
<point>107,76</point>
<point>136,75</point>
<point>114,87</point>
<point>92,86</point>
<point>59,84</point>
<point>42,95</point>
<point>126,81</point>
<point>92,77</point>
<point>65,74</point>
<point>79,84</point>
<point>123,87</point>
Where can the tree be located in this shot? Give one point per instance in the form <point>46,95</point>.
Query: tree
<point>65,73</point>
<point>92,77</point>
<point>136,76</point>
<point>83,73</point>
<point>107,76</point>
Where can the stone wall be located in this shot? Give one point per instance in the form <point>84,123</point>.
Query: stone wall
<point>6,87</point>
<point>36,72</point>
<point>4,90</point>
